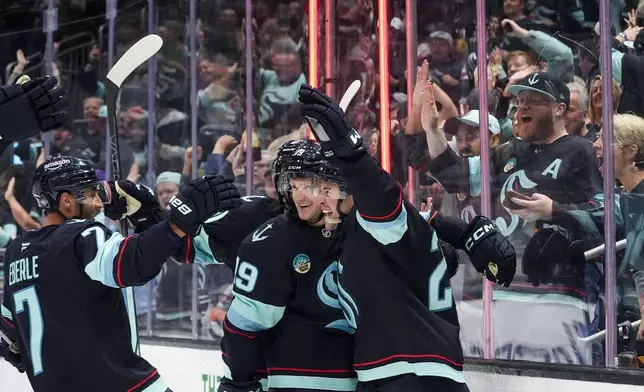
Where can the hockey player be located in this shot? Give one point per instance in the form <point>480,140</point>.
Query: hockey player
<point>391,260</point>
<point>286,303</point>
<point>63,309</point>
<point>30,108</point>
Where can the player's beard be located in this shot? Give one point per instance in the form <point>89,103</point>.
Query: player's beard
<point>88,212</point>
<point>541,128</point>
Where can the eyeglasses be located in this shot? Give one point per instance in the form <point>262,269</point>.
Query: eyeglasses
<point>532,101</point>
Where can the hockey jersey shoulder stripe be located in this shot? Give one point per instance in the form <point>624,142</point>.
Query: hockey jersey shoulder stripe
<point>309,382</point>
<point>227,328</point>
<point>6,314</point>
<point>393,213</point>
<point>428,215</point>
<point>242,322</point>
<point>188,247</point>
<point>158,386</point>
<point>118,263</point>
<point>203,252</point>
<point>386,232</point>
<point>252,315</point>
<point>432,369</point>
<point>101,268</point>
<point>410,357</point>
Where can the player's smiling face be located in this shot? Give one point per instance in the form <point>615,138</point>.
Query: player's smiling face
<point>331,195</point>
<point>91,203</point>
<point>305,196</point>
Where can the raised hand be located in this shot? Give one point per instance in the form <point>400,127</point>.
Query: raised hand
<point>429,113</point>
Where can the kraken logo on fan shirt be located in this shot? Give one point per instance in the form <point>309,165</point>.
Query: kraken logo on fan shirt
<point>551,170</point>
<point>525,183</point>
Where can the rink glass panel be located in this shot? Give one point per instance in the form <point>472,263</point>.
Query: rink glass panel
<point>189,302</point>
<point>546,323</point>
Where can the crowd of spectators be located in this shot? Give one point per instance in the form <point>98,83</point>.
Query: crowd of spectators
<point>523,37</point>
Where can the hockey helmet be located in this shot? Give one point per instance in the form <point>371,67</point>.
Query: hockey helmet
<point>300,159</point>
<point>65,174</point>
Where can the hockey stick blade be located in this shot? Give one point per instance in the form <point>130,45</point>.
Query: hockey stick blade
<point>140,52</point>
<point>345,101</point>
<point>348,96</point>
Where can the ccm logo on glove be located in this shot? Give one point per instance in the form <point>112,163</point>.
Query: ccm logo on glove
<point>480,232</point>
<point>178,204</point>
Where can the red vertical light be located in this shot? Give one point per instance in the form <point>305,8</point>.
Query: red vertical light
<point>383,60</point>
<point>329,47</point>
<point>313,43</point>
<point>313,48</point>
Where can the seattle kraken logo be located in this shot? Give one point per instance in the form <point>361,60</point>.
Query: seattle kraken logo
<point>525,183</point>
<point>333,295</point>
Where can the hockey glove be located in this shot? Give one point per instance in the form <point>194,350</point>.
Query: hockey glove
<point>201,198</point>
<point>227,385</point>
<point>337,137</point>
<point>489,251</point>
<point>136,202</point>
<point>29,108</point>
<point>549,257</point>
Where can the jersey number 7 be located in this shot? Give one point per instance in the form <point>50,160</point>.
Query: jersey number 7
<point>29,296</point>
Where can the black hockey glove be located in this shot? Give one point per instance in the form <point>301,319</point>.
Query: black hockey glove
<point>227,385</point>
<point>200,199</point>
<point>29,108</point>
<point>451,257</point>
<point>337,137</point>
<point>551,256</point>
<point>489,251</point>
<point>14,358</point>
<point>136,202</point>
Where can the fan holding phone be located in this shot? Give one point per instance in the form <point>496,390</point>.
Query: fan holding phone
<point>530,208</point>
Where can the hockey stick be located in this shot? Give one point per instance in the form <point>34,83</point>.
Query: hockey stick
<point>12,347</point>
<point>344,104</point>
<point>600,335</point>
<point>597,251</point>
<point>589,255</point>
<point>140,52</point>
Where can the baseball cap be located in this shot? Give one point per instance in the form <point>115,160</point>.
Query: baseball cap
<point>471,119</point>
<point>171,177</point>
<point>544,83</point>
<point>444,35</point>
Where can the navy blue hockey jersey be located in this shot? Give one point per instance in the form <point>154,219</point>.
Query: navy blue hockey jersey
<point>394,283</point>
<point>64,307</point>
<point>287,305</point>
